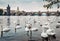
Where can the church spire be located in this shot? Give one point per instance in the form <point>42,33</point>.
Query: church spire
<point>8,10</point>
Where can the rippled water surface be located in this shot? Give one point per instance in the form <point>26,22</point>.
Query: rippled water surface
<point>20,35</point>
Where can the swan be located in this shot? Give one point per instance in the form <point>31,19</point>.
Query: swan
<point>6,29</point>
<point>26,28</point>
<point>50,31</point>
<point>34,29</point>
<point>46,26</point>
<point>44,34</point>
<point>46,23</point>
<point>18,27</point>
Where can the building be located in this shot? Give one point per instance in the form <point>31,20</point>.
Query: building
<point>8,10</point>
<point>18,12</point>
<point>1,11</point>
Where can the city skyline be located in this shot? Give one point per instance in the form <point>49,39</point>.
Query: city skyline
<point>26,5</point>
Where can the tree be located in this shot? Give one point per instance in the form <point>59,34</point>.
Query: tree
<point>52,2</point>
<point>1,11</point>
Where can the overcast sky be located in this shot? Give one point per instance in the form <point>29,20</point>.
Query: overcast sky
<point>27,5</point>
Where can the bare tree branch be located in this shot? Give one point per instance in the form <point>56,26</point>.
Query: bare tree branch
<point>51,3</point>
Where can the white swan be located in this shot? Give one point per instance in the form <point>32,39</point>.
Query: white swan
<point>27,29</point>
<point>46,23</point>
<point>44,34</point>
<point>46,26</point>
<point>27,25</point>
<point>34,29</point>
<point>50,32</point>
<point>58,23</point>
<point>6,29</point>
<point>18,27</point>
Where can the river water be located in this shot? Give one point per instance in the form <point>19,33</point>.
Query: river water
<point>20,35</point>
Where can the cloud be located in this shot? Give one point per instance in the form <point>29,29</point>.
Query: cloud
<point>27,5</point>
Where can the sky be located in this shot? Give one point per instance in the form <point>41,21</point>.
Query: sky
<point>26,5</point>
